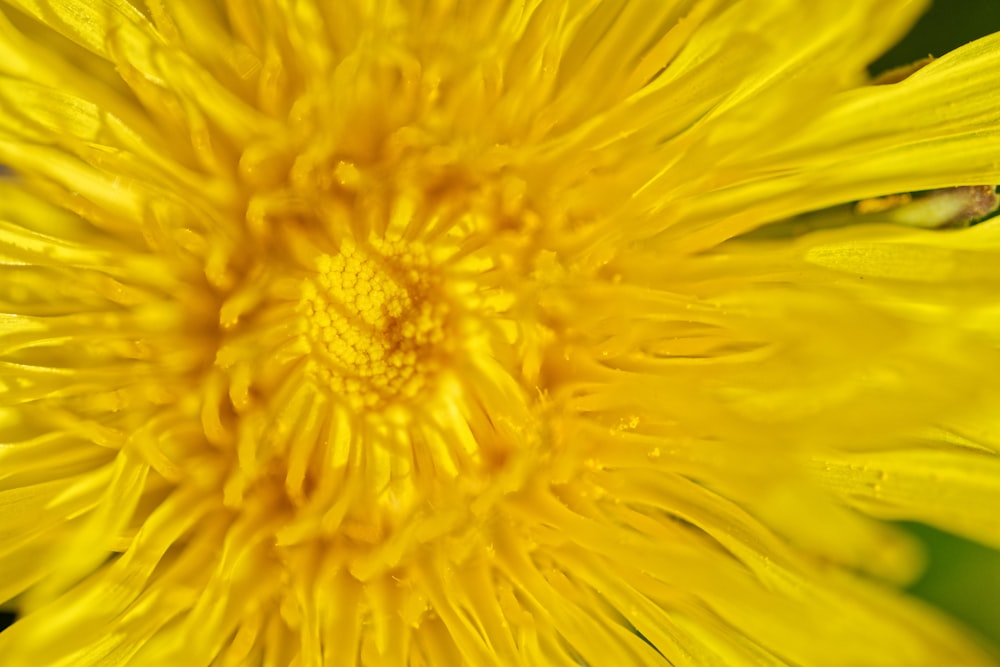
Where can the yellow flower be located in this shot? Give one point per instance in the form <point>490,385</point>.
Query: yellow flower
<point>444,332</point>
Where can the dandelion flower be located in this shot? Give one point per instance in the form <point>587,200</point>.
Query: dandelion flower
<point>549,332</point>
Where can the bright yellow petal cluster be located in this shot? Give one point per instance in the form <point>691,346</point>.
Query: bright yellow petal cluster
<point>428,332</point>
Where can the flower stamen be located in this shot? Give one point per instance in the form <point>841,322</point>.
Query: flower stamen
<point>372,323</point>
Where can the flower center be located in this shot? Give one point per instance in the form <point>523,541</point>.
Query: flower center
<point>373,321</point>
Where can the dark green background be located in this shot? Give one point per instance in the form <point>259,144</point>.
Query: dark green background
<point>947,25</point>
<point>963,577</point>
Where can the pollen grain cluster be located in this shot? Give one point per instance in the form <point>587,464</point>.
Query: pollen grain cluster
<point>374,322</point>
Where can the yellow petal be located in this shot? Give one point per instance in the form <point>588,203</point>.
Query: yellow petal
<point>934,129</point>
